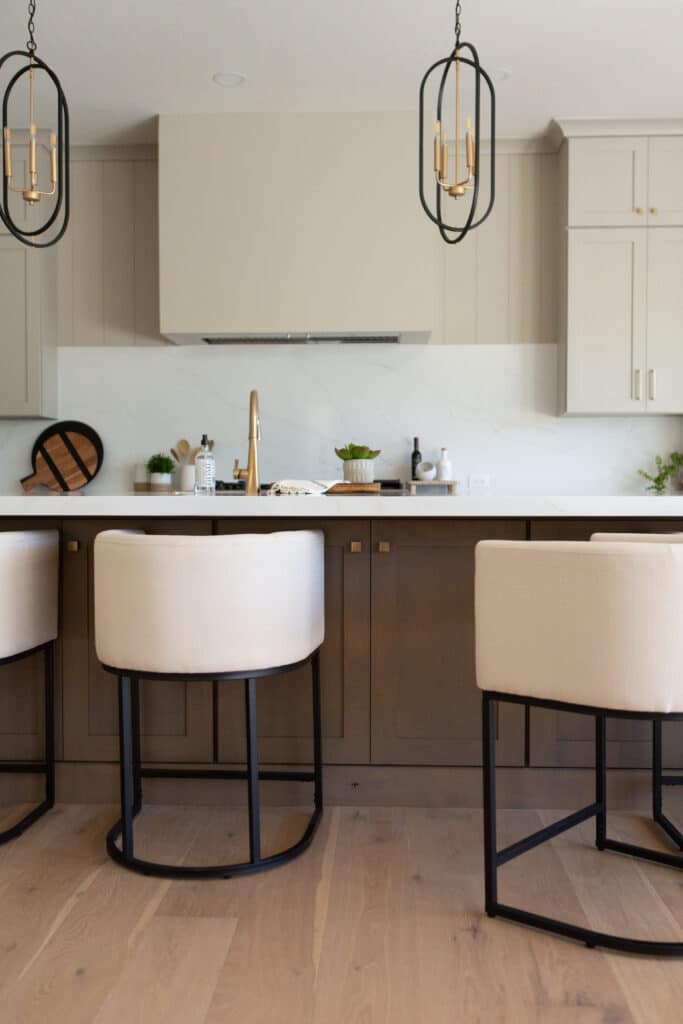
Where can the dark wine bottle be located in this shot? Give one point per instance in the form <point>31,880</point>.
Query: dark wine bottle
<point>416,458</point>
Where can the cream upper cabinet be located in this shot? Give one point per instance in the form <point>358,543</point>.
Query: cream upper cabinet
<point>606,321</point>
<point>626,181</point>
<point>665,181</point>
<point>28,376</point>
<point>665,321</point>
<point>608,182</point>
<point>624,333</point>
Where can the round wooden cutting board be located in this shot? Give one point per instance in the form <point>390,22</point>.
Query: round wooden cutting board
<point>65,457</point>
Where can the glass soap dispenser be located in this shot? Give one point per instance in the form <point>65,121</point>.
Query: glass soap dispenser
<point>205,469</point>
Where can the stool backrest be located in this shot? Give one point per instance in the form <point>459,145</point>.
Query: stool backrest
<point>596,624</point>
<point>196,605</point>
<point>29,588</point>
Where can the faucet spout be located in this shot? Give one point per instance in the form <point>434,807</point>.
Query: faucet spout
<point>251,473</point>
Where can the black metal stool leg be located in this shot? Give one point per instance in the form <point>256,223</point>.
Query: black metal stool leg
<point>600,781</point>
<point>317,732</point>
<point>658,781</point>
<point>50,724</point>
<point>126,757</point>
<point>490,854</point>
<point>137,776</point>
<point>132,774</point>
<point>494,858</point>
<point>252,772</point>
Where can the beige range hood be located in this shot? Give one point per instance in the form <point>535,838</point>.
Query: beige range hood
<point>293,228</point>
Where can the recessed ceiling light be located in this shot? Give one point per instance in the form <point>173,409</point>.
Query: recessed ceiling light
<point>229,79</point>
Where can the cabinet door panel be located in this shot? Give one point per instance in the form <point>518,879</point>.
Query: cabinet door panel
<point>665,173</point>
<point>665,320</point>
<point>284,701</point>
<point>22,733</point>
<point>176,716</point>
<point>426,708</point>
<point>567,740</point>
<point>606,321</point>
<point>608,182</point>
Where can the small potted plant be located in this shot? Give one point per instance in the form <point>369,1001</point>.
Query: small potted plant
<point>359,463</point>
<point>660,481</point>
<point>160,467</point>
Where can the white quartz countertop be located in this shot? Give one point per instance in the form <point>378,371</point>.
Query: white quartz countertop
<point>348,506</point>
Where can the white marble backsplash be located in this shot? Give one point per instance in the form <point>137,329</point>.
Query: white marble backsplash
<point>492,406</point>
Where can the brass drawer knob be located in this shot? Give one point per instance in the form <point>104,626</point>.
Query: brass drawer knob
<point>654,210</point>
<point>356,547</point>
<point>384,547</point>
<point>640,210</point>
<point>73,546</point>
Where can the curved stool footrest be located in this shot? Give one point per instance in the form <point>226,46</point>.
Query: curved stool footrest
<point>26,821</point>
<point>587,935</point>
<point>148,867</point>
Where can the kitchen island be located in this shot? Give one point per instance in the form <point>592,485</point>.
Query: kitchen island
<point>401,708</point>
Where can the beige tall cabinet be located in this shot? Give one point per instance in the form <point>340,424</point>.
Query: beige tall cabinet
<point>622,259</point>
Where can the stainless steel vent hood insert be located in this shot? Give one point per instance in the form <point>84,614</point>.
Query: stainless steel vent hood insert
<point>303,339</point>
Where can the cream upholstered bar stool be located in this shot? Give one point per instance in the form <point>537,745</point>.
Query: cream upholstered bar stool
<point>250,606</point>
<point>29,602</point>
<point>659,780</point>
<point>591,628</point>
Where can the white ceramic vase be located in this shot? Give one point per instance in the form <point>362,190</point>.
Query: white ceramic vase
<point>359,471</point>
<point>160,483</point>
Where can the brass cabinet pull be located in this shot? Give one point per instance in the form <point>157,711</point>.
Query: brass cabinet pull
<point>384,547</point>
<point>640,210</point>
<point>73,545</point>
<point>654,210</point>
<point>652,385</point>
<point>356,547</point>
<point>637,391</point>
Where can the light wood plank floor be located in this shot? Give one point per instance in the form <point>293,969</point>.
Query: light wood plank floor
<point>379,923</point>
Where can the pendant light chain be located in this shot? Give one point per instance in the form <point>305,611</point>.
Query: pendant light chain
<point>31,45</point>
<point>458,12</point>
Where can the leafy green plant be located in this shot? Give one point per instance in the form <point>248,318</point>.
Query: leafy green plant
<point>356,451</point>
<point>160,463</point>
<point>665,470</point>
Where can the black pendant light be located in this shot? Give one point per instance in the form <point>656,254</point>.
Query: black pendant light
<point>45,147</point>
<point>465,183</point>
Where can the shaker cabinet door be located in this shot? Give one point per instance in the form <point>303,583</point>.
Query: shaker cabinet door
<point>284,701</point>
<point>608,182</point>
<point>176,716</point>
<point>426,708</point>
<point>665,174</point>
<point>665,321</point>
<point>606,321</point>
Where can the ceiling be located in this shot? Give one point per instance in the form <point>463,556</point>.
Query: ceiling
<point>123,62</point>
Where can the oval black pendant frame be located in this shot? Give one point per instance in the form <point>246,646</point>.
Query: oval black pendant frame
<point>62,202</point>
<point>447,64</point>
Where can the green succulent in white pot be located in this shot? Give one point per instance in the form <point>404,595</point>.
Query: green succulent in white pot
<point>359,463</point>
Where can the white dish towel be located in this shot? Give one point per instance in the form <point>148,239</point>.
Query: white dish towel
<point>308,487</point>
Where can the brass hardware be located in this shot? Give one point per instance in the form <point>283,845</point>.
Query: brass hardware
<point>356,547</point>
<point>384,547</point>
<point>654,210</point>
<point>250,474</point>
<point>652,385</point>
<point>31,194</point>
<point>640,210</point>
<point>637,392</point>
<point>73,546</point>
<point>456,189</point>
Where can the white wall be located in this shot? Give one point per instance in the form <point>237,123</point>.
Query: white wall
<point>492,405</point>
